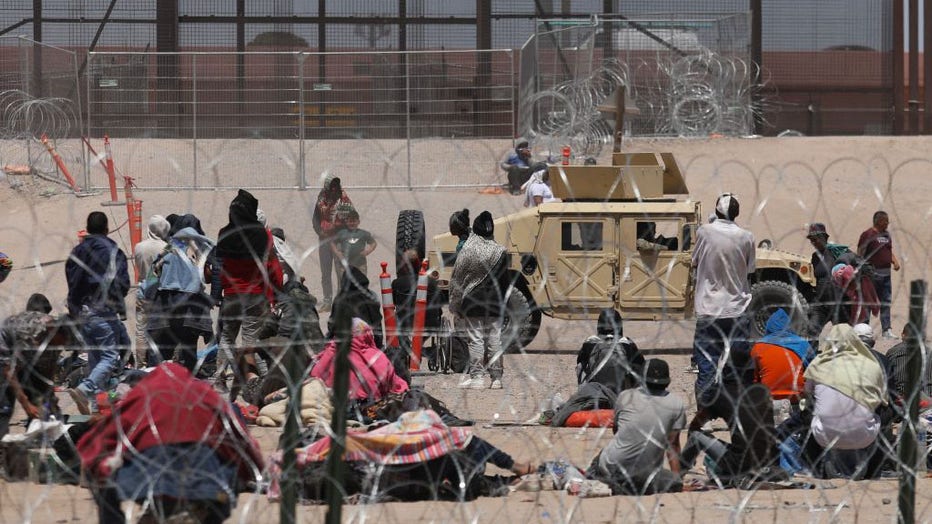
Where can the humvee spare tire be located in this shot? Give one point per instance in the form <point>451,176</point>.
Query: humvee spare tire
<point>521,322</point>
<point>409,234</point>
<point>770,295</point>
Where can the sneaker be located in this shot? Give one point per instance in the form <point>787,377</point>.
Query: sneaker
<point>692,369</point>
<point>888,334</point>
<point>472,383</point>
<point>81,401</point>
<point>325,305</point>
<point>496,383</point>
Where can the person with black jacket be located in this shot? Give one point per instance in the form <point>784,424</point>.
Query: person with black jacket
<point>824,307</point>
<point>354,291</point>
<point>478,288</point>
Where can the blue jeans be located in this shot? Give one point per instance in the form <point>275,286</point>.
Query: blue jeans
<point>884,288</point>
<point>712,336</point>
<point>105,336</point>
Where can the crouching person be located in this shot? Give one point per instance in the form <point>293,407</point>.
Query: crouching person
<point>174,441</point>
<point>648,421</point>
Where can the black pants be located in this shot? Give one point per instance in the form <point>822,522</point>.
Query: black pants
<point>180,338</point>
<point>517,176</point>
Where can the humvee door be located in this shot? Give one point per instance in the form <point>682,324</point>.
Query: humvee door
<point>578,258</point>
<point>655,257</point>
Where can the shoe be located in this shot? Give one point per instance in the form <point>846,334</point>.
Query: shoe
<point>888,334</point>
<point>81,401</point>
<point>325,305</point>
<point>251,391</point>
<point>496,383</point>
<point>692,369</point>
<point>472,383</point>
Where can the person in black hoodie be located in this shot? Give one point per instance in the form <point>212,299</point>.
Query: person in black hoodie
<point>98,281</point>
<point>250,275</point>
<point>354,290</point>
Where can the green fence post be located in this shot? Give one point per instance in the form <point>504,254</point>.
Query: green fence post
<point>907,450</point>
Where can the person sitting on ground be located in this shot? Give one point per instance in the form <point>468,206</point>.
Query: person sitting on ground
<point>371,376</point>
<point>172,441</point>
<point>751,454</point>
<point>780,357</point>
<point>648,422</point>
<point>39,302</point>
<point>518,167</point>
<point>30,344</point>
<point>607,364</point>
<point>898,357</point>
<point>845,385</point>
<point>537,189</point>
<point>364,304</point>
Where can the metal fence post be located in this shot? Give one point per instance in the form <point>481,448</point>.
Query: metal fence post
<point>194,113</point>
<point>302,168</point>
<point>87,76</point>
<point>404,55</point>
<point>915,343</point>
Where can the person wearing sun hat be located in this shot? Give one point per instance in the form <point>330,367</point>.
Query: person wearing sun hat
<point>823,307</point>
<point>724,258</point>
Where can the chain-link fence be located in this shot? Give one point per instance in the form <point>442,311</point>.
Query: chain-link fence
<point>372,113</point>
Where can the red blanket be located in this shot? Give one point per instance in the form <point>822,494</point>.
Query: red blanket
<point>169,406</point>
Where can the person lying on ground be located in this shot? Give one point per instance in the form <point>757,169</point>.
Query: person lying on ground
<point>648,421</point>
<point>174,441</point>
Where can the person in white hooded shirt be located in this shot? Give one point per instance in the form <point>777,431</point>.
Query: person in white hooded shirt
<point>144,254</point>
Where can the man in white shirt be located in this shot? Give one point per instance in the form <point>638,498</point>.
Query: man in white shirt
<point>724,258</point>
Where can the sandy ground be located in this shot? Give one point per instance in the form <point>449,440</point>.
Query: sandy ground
<point>783,184</point>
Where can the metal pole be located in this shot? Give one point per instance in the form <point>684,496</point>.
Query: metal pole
<point>302,168</point>
<point>408,113</point>
<point>335,464</point>
<point>915,344</point>
<point>914,67</point>
<point>757,59</point>
<point>77,87</point>
<point>194,113</point>
<point>898,67</point>
<point>291,433</point>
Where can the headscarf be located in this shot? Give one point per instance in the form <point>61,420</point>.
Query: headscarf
<point>609,323</point>
<point>484,226</point>
<point>777,332</point>
<point>183,221</point>
<point>244,236</point>
<point>158,228</point>
<point>846,364</point>
<point>372,375</point>
<point>474,262</point>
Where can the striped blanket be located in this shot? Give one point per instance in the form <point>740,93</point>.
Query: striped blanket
<point>417,436</point>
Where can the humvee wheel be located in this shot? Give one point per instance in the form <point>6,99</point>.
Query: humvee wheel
<point>409,234</point>
<point>770,295</point>
<point>521,323</point>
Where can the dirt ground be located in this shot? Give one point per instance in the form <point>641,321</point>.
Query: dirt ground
<point>782,184</point>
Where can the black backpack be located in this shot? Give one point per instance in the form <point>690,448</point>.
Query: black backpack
<point>615,363</point>
<point>298,320</point>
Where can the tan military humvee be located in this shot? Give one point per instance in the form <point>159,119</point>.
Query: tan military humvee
<point>622,238</point>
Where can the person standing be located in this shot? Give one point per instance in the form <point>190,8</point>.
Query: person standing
<point>477,294</point>
<point>328,220</point>
<point>98,282</point>
<point>825,304</point>
<point>144,254</point>
<point>352,245</point>
<point>250,274</point>
<point>876,246</point>
<point>724,259</point>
